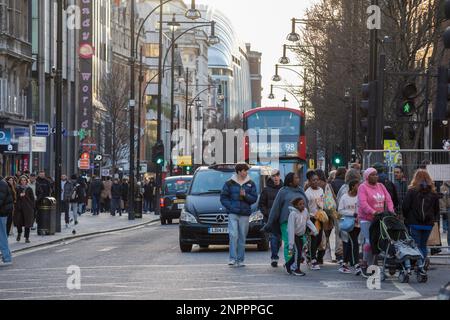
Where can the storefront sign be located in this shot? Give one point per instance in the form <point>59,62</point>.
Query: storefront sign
<point>86,52</point>
<point>39,144</point>
<point>5,137</point>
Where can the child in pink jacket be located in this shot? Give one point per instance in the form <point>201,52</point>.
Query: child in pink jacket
<point>372,198</point>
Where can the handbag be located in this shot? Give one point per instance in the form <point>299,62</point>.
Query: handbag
<point>328,199</point>
<point>435,236</point>
<point>347,224</point>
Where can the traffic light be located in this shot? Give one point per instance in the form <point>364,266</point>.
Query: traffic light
<point>442,110</point>
<point>337,160</point>
<point>158,154</point>
<point>407,104</point>
<point>364,121</point>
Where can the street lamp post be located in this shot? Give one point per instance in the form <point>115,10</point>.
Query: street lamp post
<point>132,109</point>
<point>58,135</point>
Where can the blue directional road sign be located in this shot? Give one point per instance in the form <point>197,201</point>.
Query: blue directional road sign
<point>42,130</point>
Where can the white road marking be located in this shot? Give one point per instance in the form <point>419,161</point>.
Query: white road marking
<point>107,249</point>
<point>408,291</point>
<point>62,250</point>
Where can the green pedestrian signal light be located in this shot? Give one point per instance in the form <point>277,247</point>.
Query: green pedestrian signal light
<point>158,153</point>
<point>337,160</point>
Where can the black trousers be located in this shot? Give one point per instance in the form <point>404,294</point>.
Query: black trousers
<point>315,241</point>
<point>351,248</point>
<point>65,207</point>
<point>27,231</point>
<point>9,222</point>
<point>298,247</point>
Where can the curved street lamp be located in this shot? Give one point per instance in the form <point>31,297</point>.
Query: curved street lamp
<point>193,13</point>
<point>293,36</point>
<point>276,77</point>
<point>284,59</point>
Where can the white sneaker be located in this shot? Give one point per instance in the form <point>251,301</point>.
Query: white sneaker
<point>232,263</point>
<point>5,264</point>
<point>315,265</point>
<point>240,264</point>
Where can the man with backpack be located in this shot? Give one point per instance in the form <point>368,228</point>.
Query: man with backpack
<point>96,189</point>
<point>78,197</point>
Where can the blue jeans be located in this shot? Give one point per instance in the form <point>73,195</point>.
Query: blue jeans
<point>95,204</point>
<point>237,230</point>
<point>4,247</point>
<point>421,238</point>
<point>115,206</point>
<point>148,205</point>
<point>275,244</point>
<point>367,249</point>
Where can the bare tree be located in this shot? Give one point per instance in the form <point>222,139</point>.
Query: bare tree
<point>114,95</point>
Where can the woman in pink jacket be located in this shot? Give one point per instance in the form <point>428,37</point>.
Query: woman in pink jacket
<point>372,199</point>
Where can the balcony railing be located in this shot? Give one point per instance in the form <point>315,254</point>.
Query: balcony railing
<point>12,104</point>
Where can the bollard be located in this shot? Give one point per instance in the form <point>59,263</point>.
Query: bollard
<point>138,203</point>
<point>46,217</point>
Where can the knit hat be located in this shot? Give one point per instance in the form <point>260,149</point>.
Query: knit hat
<point>368,172</point>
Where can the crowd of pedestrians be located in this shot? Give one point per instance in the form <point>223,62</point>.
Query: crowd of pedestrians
<point>301,219</point>
<point>21,194</point>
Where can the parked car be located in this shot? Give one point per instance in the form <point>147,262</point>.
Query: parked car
<point>170,205</point>
<point>204,221</point>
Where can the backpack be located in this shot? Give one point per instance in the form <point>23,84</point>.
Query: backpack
<point>74,195</point>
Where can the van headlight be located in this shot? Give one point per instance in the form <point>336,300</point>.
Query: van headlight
<point>256,216</point>
<point>187,217</point>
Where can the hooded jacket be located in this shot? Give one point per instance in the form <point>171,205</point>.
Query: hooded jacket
<point>279,213</point>
<point>297,224</point>
<point>421,207</point>
<point>268,196</point>
<point>231,199</point>
<point>372,198</point>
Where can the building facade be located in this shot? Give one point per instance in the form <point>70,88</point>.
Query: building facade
<point>15,90</point>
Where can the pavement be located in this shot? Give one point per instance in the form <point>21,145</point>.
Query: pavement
<point>88,225</point>
<point>145,263</point>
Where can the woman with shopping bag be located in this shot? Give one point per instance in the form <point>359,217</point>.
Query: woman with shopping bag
<point>421,212</point>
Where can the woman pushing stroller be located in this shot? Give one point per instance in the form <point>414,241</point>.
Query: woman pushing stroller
<point>373,198</point>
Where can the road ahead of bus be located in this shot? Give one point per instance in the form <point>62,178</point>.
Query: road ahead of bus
<point>146,263</point>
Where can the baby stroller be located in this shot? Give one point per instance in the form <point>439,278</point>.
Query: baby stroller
<point>389,238</point>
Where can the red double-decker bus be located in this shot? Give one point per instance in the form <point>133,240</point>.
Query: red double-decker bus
<point>289,155</point>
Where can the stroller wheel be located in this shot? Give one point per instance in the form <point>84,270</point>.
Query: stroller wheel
<point>421,278</point>
<point>403,277</point>
<point>392,271</point>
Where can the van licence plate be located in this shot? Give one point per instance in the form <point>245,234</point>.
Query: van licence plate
<point>218,230</point>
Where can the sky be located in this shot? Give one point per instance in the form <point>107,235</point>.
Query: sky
<point>265,24</point>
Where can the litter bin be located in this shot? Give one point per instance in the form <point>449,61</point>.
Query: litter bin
<point>46,217</point>
<point>138,206</point>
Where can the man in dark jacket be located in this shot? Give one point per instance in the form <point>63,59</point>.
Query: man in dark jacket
<point>339,180</point>
<point>67,190</point>
<point>237,196</point>
<point>116,196</point>
<point>125,190</point>
<point>43,187</point>
<point>6,208</point>
<point>268,195</point>
<point>148,195</point>
<point>96,189</point>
